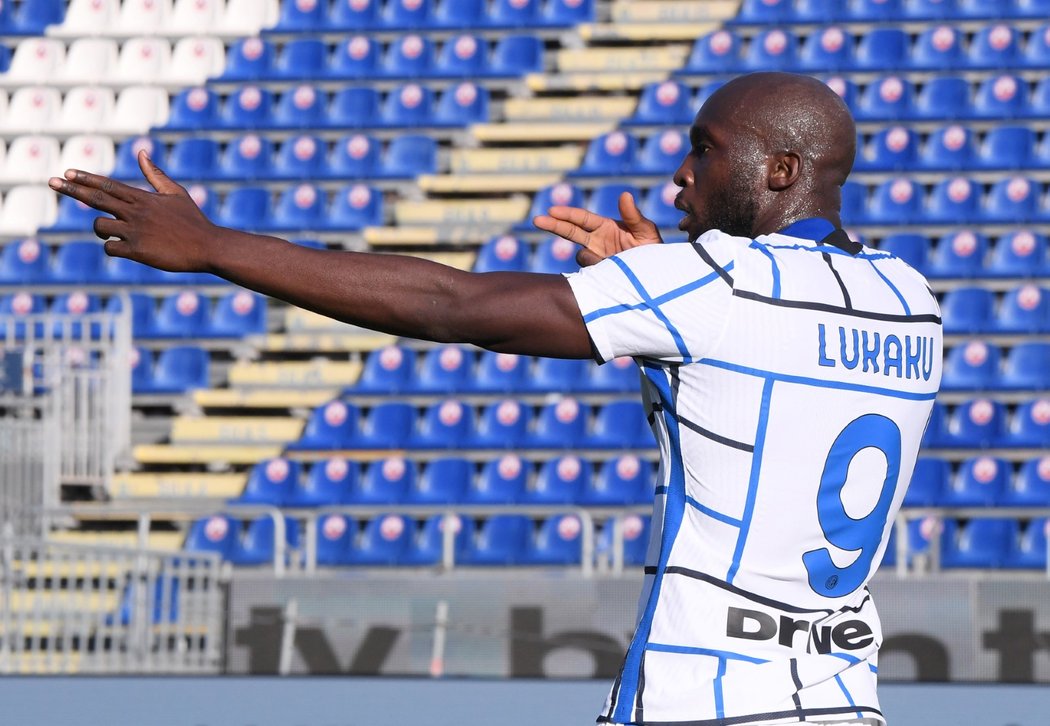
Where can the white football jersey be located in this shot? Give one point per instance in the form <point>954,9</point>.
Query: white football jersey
<point>788,381</point>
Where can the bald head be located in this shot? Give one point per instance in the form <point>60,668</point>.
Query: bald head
<point>777,146</point>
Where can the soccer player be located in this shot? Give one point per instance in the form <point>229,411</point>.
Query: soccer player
<point>788,373</point>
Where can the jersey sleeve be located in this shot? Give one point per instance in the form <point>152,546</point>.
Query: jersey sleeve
<point>665,301</point>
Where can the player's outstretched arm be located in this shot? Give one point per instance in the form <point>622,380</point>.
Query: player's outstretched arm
<point>600,237</point>
<point>511,312</point>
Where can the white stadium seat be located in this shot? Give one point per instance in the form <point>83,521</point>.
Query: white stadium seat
<point>26,209</point>
<point>31,159</point>
<point>191,17</point>
<point>248,17</point>
<point>143,17</point>
<point>85,18</point>
<point>85,109</point>
<point>88,60</point>
<point>194,60</point>
<point>89,152</point>
<point>143,60</point>
<point>32,109</point>
<point>35,61</point>
<point>139,108</point>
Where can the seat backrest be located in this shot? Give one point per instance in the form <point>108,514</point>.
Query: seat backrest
<point>36,60</point>
<point>194,108</point>
<point>928,480</point>
<point>949,147</point>
<point>305,58</point>
<point>89,60</point>
<point>354,157</point>
<point>1014,199</point>
<point>271,481</point>
<point>217,533</point>
<point>187,364</point>
<point>959,254</point>
<point>301,15</point>
<point>561,424</point>
<point>182,314</point>
<point>300,157</point>
<point>353,14</point>
<point>406,14</point>
<point>445,425</point>
<point>195,16</point>
<point>889,97</point>
<point>943,97</point>
<point>1025,309</point>
<point>561,481</point>
<point>356,57</point>
<point>411,56</point>
<point>774,49</point>
<point>304,106</point>
<point>462,104</point>
<point>23,262</point>
<point>91,152</point>
<point>389,370</point>
<point>559,541</point>
<point>883,49</point>
<point>408,105</point>
<point>335,536</point>
<point>502,481</point>
<point>142,17</point>
<point>516,55</point>
<point>662,152</point>
<point>502,425</point>
<point>194,158</point>
<point>717,51</point>
<point>443,481</point>
<point>246,208</point>
<point>622,480</point>
<point>330,481</point>
<point>666,102</point>
<point>249,59</point>
<point>828,49</point>
<point>409,155</point>
<point>967,310</point>
<point>610,154</point>
<point>140,108</point>
<point>972,366</point>
<point>77,262</point>
<point>502,539</point>
<point>559,194</point>
<point>1020,253</point>
<point>912,248</point>
<point>27,209</point>
<point>445,369</point>
<point>31,158</point>
<point>978,423</point>
<point>939,47</point>
<point>250,107</point>
<point>500,254</point>
<point>658,204</point>
<point>893,148</point>
<point>247,157</point>
<point>386,481</point>
<point>554,255</point>
<point>237,314</point>
<point>1003,96</point>
<point>1028,366</point>
<point>300,207</point>
<point>356,206</point>
<point>197,58</point>
<point>895,201</point>
<point>462,55</point>
<point>32,109</point>
<point>994,46</point>
<point>89,17</point>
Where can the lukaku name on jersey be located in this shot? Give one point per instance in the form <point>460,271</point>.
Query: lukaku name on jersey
<point>906,356</point>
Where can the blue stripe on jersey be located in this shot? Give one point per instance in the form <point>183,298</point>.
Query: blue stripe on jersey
<point>851,659</point>
<point>904,303</point>
<point>832,250</point>
<point>813,228</point>
<point>674,511</point>
<point>752,485</point>
<point>658,300</point>
<point>816,382</point>
<point>725,518</point>
<point>873,669</point>
<point>720,706</point>
<point>845,691</point>
<point>640,289</point>
<point>687,650</point>
<point>773,263</point>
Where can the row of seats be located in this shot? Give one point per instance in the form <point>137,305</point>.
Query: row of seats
<point>343,15</point>
<point>280,482</point>
<point>834,49</point>
<point>1023,310</point>
<point>982,423</point>
<point>983,542</point>
<point>981,481</point>
<point>84,109</point>
<point>184,314</point>
<point>392,539</point>
<point>978,366</point>
<point>174,370</point>
<point>968,254</point>
<point>768,12</point>
<point>886,98</point>
<point>139,17</point>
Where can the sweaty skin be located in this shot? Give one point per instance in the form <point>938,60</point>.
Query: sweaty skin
<point>767,149</point>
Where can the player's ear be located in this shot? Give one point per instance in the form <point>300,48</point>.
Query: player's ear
<point>784,170</point>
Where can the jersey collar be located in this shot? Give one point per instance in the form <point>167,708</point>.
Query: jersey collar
<point>814,228</point>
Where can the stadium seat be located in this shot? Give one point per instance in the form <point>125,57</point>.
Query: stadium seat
<point>619,375</point>
<point>981,542</point>
<point>716,52</point>
<point>560,481</point>
<point>881,48</point>
<point>142,312</point>
<point>560,13</point>
<point>763,12</point>
<point>943,97</point>
<point>459,14</point>
<point>514,13</point>
<point>1029,550</point>
<point>1012,200</point>
<point>26,209</point>
<point>356,156</point>
<point>705,92</point>
<point>922,532</point>
<point>1000,97</point>
<point>23,262</point>
<point>1029,427</point>
<point>560,194</point>
<point>195,60</point>
<point>559,541</point>
<point>17,305</point>
<point>428,548</point>
<point>36,60</point>
<point>1027,367</point>
<point>635,539</point>
<point>982,9</point>
<point>1024,309</point>
<point>502,425</point>
<point>331,426</point>
<point>388,370</point>
<point>516,55</point>
<point>621,481</point>
<point>85,109</point>
<point>661,153</point>
<point>73,216</point>
<point>91,152</point>
<point>830,49</point>
<point>892,149</point>
<point>1030,487</point>
<point>236,315</point>
<point>972,366</point>
<point>181,315</point>
<point>301,58</point>
<point>406,14</point>
<point>938,48</point>
<point>658,205</point>
<point>1037,49</point>
<point>912,248</point>
<point>962,253</point>
<point>246,158</point>
<point>335,539</point>
<point>888,98</point>
<point>388,425</point>
<point>554,255</point>
<point>194,108</point>
<point>1020,253</point>
<point>895,201</point>
<point>249,59</point>
<point>386,481</point>
<point>193,16</point>
<point>443,481</point>
<point>445,369</point>
<point>499,373</point>
<point>610,154</point>
<point>72,306</point>
<point>408,156</point>
<point>859,11</point>
<point>385,541</point>
<point>85,18</point>
<point>662,104</point>
<point>501,540</point>
<point>301,15</point>
<point>354,207</point>
<point>967,310</point>
<point>31,110</point>
<point>194,158</point>
<point>949,147</point>
<point>141,363</point>
<point>1031,8</point>
<point>258,546</point>
<point>502,481</point>
<point>250,107</point>
<point>328,482</point>
<point>462,105</point>
<point>78,262</point>
<point>357,57</point>
<point>979,482</point>
<point>929,479</point>
<point>300,157</point>
<point>501,254</point>
<point>461,56</point>
<point>557,375</point>
<point>979,423</point>
<point>88,61</point>
<point>408,105</point>
<point>139,109</point>
<point>271,481</point>
<point>445,425</point>
<point>245,208</point>
<point>30,158</point>
<point>994,46</point>
<point>773,49</point>
<point>301,107</point>
<point>301,207</point>
<point>929,9</point>
<point>217,533</point>
<point>141,17</point>
<point>410,56</point>
<point>127,165</point>
<point>844,89</point>
<point>621,424</point>
<point>180,369</point>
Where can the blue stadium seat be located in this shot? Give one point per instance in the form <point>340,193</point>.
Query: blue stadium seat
<point>979,423</point>
<point>872,10</point>
<point>408,105</point>
<point>558,542</point>
<point>929,9</point>
<point>621,424</point>
<point>1039,102</point>
<point>355,107</point>
<point>499,373</point>
<point>635,539</point>
<point>884,49</point>
<point>949,147</point>
<point>245,208</point>
<point>249,59</point>
<point>560,481</point>
<point>844,89</point>
<point>502,481</point>
<point>1029,550</point>
<point>388,370</point>
<point>354,207</point>
<point>17,305</point>
<point>461,105</point>
<point>1031,8</point>
<point>462,56</point>
<point>258,546</point>
<point>249,108</point>
<point>1007,147</point>
<point>662,152</point>
<point>705,92</point>
<point>246,158</point>
<point>764,12</point>
<point>141,362</point>
<point>938,48</point>
<point>773,49</point>
<point>181,315</point>
<point>126,164</point>
<point>328,482</point>
<point>428,547</point>
<point>560,13</point>
<point>557,375</point>
<point>928,481</point>
<point>716,52</point>
<point>921,533</point>
<point>302,58</point>
<point>894,148</point>
<point>300,157</point>
<point>386,481</point>
<point>142,313</point>
<point>888,98</point>
<point>994,46</point>
<point>236,315</point>
<point>301,107</point>
<point>982,542</point>
<point>830,49</point>
<point>443,481</point>
<point>335,539</point>
<point>912,248</point>
<point>1020,253</point>
<point>895,201</point>
<point>389,425</point>
<point>943,97</point>
<point>610,154</point>
<point>1012,200</point>
<point>1000,97</point>
<point>7,19</point>
<point>620,481</point>
<point>75,304</point>
<point>445,369</point>
<point>1030,487</point>
<point>560,425</point>
<point>500,254</point>
<point>301,207</point>
<point>72,263</point>
<point>194,108</point>
<point>353,157</point>
<point>560,194</point>
<point>982,8</point>
<point>979,482</point>
<point>331,426</point>
<point>960,254</point>
<point>409,155</point>
<point>410,56</point>
<point>385,541</point>
<point>1029,427</point>
<point>301,15</point>
<point>514,13</point>
<point>406,14</point>
<point>1027,367</point>
<point>271,481</point>
<point>973,366</point>
<point>854,202</point>
<point>73,216</point>
<point>658,205</point>
<point>967,310</point>
<point>619,375</point>
<point>122,271</point>
<point>357,57</point>
<point>31,18</point>
<point>661,104</point>
<point>605,199</point>
<point>352,15</point>
<point>1024,309</point>
<point>1037,49</point>
<point>503,425</point>
<point>554,255</point>
<point>445,425</point>
<point>955,200</point>
<point>218,533</point>
<point>459,14</point>
<point>502,540</point>
<point>936,433</point>
<point>180,369</point>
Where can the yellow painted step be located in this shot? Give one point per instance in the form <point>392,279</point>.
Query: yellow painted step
<point>461,211</point>
<point>580,109</point>
<point>204,454</point>
<point>515,161</point>
<point>581,130</point>
<point>264,397</point>
<point>622,60</point>
<point>133,485</point>
<point>28,601</point>
<point>162,541</point>
<point>235,429</point>
<point>646,31</point>
<point>480,183</point>
<point>673,11</point>
<point>595,81</point>
<point>288,374</point>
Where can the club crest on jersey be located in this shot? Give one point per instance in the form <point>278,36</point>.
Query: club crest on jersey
<point>871,352</point>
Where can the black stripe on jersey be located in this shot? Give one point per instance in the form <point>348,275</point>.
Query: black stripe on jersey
<point>760,599</point>
<point>639,712</point>
<point>838,278</point>
<point>756,717</point>
<point>697,428</point>
<point>825,308</point>
<point>793,664</point>
<point>706,257</point>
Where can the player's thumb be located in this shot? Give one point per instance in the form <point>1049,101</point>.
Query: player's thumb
<point>155,176</point>
<point>117,248</point>
<point>632,218</point>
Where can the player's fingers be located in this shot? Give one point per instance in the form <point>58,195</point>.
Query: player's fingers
<point>106,227</point>
<point>91,196</point>
<point>117,247</point>
<point>582,218</point>
<point>111,187</point>
<point>586,257</point>
<point>630,214</point>
<point>156,176</point>
<point>562,229</point>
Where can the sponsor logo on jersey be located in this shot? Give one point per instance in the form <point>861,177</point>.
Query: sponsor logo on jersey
<point>746,624</point>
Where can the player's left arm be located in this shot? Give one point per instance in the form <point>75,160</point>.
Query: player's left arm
<point>523,313</point>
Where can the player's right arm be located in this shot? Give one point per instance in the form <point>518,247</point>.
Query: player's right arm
<point>600,237</point>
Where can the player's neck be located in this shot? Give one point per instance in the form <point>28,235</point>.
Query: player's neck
<point>777,218</point>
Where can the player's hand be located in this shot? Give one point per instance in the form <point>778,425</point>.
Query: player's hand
<point>600,237</point>
<point>163,229</point>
